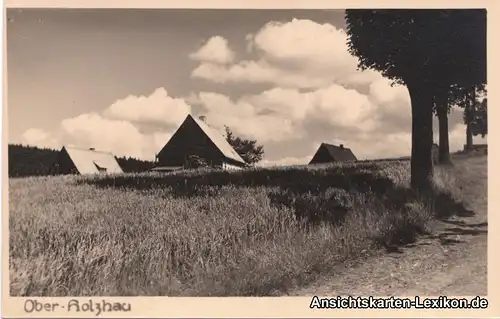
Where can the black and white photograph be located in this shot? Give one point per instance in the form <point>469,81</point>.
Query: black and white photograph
<point>246,152</point>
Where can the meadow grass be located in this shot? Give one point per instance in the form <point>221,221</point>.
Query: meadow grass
<point>207,233</point>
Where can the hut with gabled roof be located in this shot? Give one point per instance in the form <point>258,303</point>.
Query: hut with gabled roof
<point>196,139</point>
<point>329,153</point>
<point>73,160</point>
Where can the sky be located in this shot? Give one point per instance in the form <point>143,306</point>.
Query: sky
<point>123,80</point>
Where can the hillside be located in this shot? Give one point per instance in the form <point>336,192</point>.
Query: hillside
<point>213,233</point>
<point>27,161</point>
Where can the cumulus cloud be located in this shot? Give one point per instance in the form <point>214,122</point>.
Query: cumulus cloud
<point>215,50</point>
<point>317,95</point>
<point>303,42</point>
<point>334,104</point>
<point>87,130</point>
<point>38,137</point>
<point>370,124</point>
<point>303,55</point>
<point>244,118</point>
<point>281,114</point>
<point>298,54</point>
<point>157,107</point>
<point>374,125</point>
<point>124,128</point>
<point>118,136</point>
<point>341,104</point>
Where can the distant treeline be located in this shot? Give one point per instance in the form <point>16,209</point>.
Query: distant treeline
<point>33,161</point>
<point>134,165</point>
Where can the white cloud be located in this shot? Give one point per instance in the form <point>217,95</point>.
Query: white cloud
<point>215,50</point>
<point>273,117</point>
<point>38,137</point>
<point>118,128</point>
<point>158,107</point>
<point>457,137</point>
<point>295,54</point>
<point>264,72</point>
<point>336,105</point>
<point>256,72</point>
<point>93,130</point>
<point>384,94</point>
<point>374,121</point>
<point>304,43</point>
<point>117,136</point>
<point>279,114</point>
<point>302,54</point>
<point>374,125</point>
<point>244,118</point>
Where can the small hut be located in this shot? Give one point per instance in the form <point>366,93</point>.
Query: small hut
<point>328,153</point>
<point>194,139</point>
<point>73,160</point>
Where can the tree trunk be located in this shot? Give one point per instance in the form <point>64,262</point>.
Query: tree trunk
<point>444,141</point>
<point>421,136</point>
<point>470,116</point>
<point>468,140</point>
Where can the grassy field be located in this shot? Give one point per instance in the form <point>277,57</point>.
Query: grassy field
<point>209,233</point>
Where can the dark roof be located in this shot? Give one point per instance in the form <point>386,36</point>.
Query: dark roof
<point>215,136</point>
<point>219,140</point>
<point>338,153</point>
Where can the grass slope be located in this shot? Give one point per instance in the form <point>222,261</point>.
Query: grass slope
<point>201,233</point>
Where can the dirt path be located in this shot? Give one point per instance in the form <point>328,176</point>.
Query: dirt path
<point>452,261</point>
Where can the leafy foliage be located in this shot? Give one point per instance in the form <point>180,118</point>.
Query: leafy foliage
<point>249,150</point>
<point>427,50</point>
<point>390,41</point>
<point>477,117</point>
<point>461,96</point>
<point>194,161</point>
<point>455,95</point>
<point>444,47</point>
<point>448,96</point>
